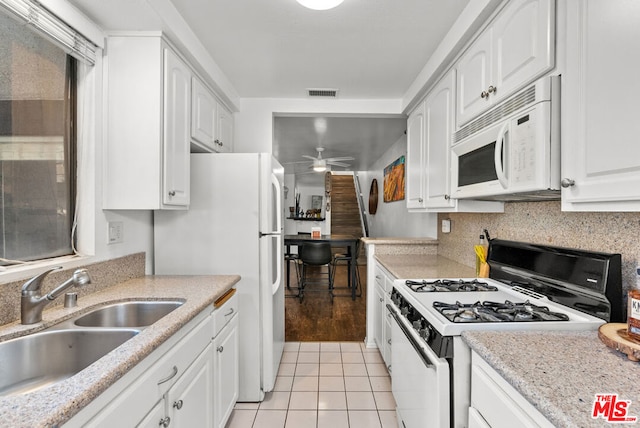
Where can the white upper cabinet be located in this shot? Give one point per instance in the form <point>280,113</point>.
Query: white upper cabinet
<point>429,130</point>
<point>439,113</point>
<point>600,152</point>
<point>516,48</point>
<point>224,141</point>
<point>416,159</point>
<point>211,121</point>
<point>148,100</point>
<point>203,116</point>
<point>474,78</point>
<point>177,102</point>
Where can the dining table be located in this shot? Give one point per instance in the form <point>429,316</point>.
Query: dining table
<point>349,242</point>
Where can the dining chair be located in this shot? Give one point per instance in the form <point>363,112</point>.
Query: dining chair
<point>317,254</point>
<point>346,259</point>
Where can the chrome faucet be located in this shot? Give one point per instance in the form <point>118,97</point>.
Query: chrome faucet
<point>32,303</point>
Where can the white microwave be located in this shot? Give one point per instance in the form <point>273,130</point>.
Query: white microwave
<point>511,153</point>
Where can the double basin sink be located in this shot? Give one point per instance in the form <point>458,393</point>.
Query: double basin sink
<point>40,359</point>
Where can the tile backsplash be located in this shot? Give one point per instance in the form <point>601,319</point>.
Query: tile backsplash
<point>103,274</point>
<point>545,223</point>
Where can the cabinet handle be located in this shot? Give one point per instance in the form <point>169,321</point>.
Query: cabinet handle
<point>172,193</point>
<point>171,376</point>
<point>178,404</point>
<point>220,348</point>
<point>567,182</point>
<point>389,341</point>
<point>381,299</point>
<point>378,277</point>
<point>492,89</point>
<point>484,94</point>
<point>164,422</point>
<point>229,313</point>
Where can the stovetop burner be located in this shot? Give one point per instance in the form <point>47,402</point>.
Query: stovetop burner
<point>436,285</point>
<point>497,312</point>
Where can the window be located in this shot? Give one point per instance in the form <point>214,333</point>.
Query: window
<point>37,145</point>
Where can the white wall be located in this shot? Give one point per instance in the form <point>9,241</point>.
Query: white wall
<point>253,130</point>
<point>392,218</point>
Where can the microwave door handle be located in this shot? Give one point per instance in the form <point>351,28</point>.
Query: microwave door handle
<point>499,160</point>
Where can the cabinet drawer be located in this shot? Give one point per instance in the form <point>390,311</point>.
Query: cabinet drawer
<point>145,390</point>
<point>223,313</point>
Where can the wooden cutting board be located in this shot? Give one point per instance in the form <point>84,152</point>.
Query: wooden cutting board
<point>615,336</point>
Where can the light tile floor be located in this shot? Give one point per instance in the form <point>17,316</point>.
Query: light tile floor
<point>324,385</point>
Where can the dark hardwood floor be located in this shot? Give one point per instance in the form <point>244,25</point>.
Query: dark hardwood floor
<point>317,319</point>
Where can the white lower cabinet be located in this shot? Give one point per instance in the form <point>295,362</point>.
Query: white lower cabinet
<point>188,402</point>
<point>190,380</point>
<point>225,369</point>
<point>497,404</point>
<point>382,327</point>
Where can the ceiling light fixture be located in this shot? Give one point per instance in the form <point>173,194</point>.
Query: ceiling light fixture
<point>320,165</point>
<point>320,4</point>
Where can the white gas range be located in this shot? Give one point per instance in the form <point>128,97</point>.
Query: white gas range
<point>431,363</point>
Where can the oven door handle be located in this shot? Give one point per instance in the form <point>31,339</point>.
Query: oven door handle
<point>425,359</point>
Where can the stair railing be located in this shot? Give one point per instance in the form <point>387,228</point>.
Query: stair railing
<point>363,213</point>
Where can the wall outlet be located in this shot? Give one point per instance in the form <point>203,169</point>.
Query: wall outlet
<point>446,226</point>
<point>116,232</point>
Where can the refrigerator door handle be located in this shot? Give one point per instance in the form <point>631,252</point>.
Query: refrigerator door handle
<point>279,263</point>
<point>277,188</point>
<point>261,234</point>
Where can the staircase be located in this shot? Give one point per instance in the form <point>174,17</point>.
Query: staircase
<point>345,212</point>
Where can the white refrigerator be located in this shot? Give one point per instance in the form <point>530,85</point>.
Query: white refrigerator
<point>234,225</point>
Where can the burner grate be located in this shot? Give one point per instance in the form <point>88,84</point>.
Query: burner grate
<point>497,312</point>
<point>448,285</point>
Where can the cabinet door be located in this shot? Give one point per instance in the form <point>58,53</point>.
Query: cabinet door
<point>379,317</point>
<point>225,372</point>
<point>473,76</point>
<point>386,355</point>
<point>523,45</point>
<point>416,159</point>
<point>600,155</point>
<point>439,126</point>
<point>155,418</point>
<point>177,127</point>
<point>224,143</point>
<point>189,400</point>
<point>203,115</point>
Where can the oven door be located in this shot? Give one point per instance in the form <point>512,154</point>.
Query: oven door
<point>420,380</point>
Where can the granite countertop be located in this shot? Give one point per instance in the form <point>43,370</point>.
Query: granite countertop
<point>560,372</point>
<point>57,403</point>
<point>423,266</point>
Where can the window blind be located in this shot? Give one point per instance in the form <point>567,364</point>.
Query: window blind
<point>33,13</point>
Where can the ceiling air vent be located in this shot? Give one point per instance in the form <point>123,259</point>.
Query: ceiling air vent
<point>330,93</point>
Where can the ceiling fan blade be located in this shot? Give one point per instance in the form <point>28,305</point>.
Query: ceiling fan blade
<point>297,162</point>
<point>342,164</point>
<point>309,157</point>
<point>343,158</point>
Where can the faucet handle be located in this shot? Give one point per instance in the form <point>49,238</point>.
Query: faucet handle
<point>34,283</point>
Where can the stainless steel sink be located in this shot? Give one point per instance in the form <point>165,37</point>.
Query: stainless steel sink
<point>128,314</point>
<point>41,359</point>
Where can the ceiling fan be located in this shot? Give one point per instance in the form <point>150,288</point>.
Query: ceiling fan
<point>319,164</point>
